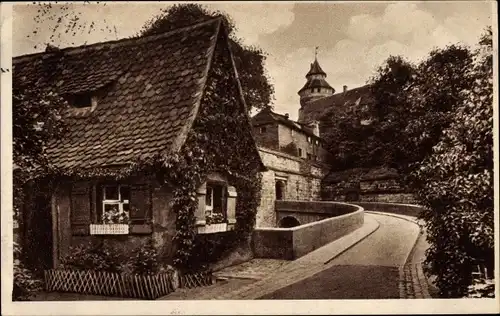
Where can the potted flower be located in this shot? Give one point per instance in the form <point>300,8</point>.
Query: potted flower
<point>114,222</point>
<point>215,223</point>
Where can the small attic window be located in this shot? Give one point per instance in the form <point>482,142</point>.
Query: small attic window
<point>82,100</point>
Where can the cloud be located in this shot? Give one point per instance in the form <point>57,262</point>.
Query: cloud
<point>256,19</point>
<point>403,28</point>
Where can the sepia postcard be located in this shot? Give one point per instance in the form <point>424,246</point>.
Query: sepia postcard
<point>234,158</point>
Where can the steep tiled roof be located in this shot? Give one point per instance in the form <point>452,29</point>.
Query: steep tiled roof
<point>354,97</point>
<point>152,89</point>
<point>315,69</point>
<point>315,83</point>
<point>266,116</point>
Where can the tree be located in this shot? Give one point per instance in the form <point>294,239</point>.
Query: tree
<point>36,120</point>
<point>257,90</point>
<point>369,135</point>
<point>456,183</point>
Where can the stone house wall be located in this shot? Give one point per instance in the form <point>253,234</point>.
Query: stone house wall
<point>267,135</point>
<point>301,180</point>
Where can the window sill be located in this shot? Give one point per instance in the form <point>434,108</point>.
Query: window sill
<point>214,228</point>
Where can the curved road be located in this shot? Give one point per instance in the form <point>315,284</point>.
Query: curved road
<point>369,270</point>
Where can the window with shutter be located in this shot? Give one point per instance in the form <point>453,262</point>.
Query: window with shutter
<point>122,208</point>
<point>81,208</point>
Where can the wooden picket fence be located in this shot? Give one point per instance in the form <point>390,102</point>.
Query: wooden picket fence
<point>191,280</point>
<point>109,284</point>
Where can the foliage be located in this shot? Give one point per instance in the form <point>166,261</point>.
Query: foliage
<point>290,149</point>
<point>481,288</point>
<point>407,107</point>
<point>88,256</point>
<point>213,136</point>
<point>36,120</point>
<point>25,283</point>
<point>144,260</point>
<point>455,183</point>
<point>214,218</point>
<point>209,248</point>
<point>350,142</point>
<point>115,216</point>
<point>433,122</point>
<point>256,87</point>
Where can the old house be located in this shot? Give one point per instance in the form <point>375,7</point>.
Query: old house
<point>146,116</point>
<point>294,156</point>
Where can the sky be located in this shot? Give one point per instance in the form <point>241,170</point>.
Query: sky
<point>354,38</point>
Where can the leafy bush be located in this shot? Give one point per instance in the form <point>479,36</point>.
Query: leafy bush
<point>456,185</point>
<point>93,257</point>
<point>25,283</point>
<point>145,260</point>
<point>209,248</point>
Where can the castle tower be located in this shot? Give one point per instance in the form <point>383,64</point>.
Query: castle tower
<point>315,88</point>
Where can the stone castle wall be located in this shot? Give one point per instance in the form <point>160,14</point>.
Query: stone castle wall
<point>301,181</point>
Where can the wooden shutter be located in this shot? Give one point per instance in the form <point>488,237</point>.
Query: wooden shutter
<point>140,203</point>
<point>200,211</point>
<point>231,206</point>
<point>81,208</point>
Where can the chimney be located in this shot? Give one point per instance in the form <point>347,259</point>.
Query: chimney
<point>345,88</point>
<point>287,116</point>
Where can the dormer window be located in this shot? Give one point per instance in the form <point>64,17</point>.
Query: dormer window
<point>82,100</point>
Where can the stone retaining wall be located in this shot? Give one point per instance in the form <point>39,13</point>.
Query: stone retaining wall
<point>395,208</point>
<point>292,243</point>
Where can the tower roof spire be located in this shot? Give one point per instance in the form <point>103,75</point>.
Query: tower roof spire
<point>315,67</point>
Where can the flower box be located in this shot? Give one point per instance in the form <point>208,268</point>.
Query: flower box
<point>213,228</point>
<point>109,229</point>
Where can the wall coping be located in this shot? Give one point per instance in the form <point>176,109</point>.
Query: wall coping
<point>297,159</point>
<point>389,203</point>
<point>359,209</point>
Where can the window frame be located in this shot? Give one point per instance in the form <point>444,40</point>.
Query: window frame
<point>104,201</point>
